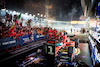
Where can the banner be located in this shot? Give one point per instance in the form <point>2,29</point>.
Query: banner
<point>26,39</point>
<point>8,42</point>
<point>39,37</point>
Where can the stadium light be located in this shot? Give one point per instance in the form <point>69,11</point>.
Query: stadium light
<point>44,15</point>
<point>3,9</point>
<point>17,13</point>
<point>6,10</point>
<point>41,15</point>
<point>30,14</point>
<point>10,11</point>
<point>33,15</point>
<point>14,11</point>
<point>26,13</point>
<point>22,14</point>
<point>31,58</point>
<point>38,13</point>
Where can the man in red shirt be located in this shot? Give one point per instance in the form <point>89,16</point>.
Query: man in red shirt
<point>50,33</point>
<point>64,37</point>
<point>12,33</point>
<point>54,34</point>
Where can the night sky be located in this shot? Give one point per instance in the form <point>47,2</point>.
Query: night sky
<point>67,9</point>
<point>63,10</point>
<point>93,8</point>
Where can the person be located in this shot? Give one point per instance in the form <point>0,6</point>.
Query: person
<point>54,34</point>
<point>20,22</point>
<point>38,31</point>
<point>13,33</point>
<point>41,32</point>
<point>33,30</point>
<point>71,30</point>
<point>50,33</point>
<point>15,18</point>
<point>83,30</point>
<point>32,35</point>
<point>19,33</point>
<point>1,29</point>
<point>28,22</point>
<point>24,33</point>
<point>10,19</point>
<point>60,35</point>
<point>64,37</point>
<point>7,19</point>
<point>45,31</point>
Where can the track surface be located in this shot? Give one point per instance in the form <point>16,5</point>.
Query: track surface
<point>84,56</point>
<point>8,59</point>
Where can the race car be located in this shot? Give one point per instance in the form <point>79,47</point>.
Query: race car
<point>33,59</point>
<point>65,41</point>
<point>66,55</point>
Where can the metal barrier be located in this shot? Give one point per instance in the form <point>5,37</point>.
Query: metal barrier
<point>9,42</point>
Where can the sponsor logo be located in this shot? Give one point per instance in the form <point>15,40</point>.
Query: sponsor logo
<point>39,36</point>
<point>9,42</point>
<point>26,40</point>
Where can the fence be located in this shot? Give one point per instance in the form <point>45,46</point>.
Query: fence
<point>9,42</point>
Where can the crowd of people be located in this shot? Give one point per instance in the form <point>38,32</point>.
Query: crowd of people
<point>82,31</point>
<point>19,30</point>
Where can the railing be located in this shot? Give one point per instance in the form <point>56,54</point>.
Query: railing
<point>9,42</point>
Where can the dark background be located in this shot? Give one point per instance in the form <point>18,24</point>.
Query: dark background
<point>67,9</point>
<point>60,9</point>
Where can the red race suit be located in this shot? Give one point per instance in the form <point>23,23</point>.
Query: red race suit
<point>54,34</point>
<point>50,34</point>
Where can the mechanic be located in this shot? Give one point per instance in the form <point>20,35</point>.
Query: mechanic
<point>54,34</point>
<point>50,33</point>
